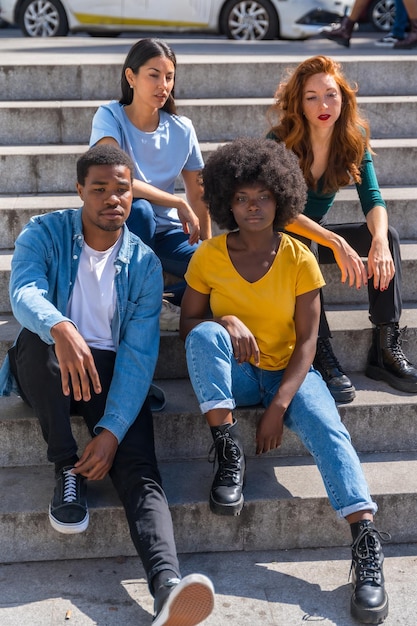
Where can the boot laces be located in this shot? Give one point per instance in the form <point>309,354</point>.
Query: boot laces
<point>367,555</point>
<point>326,356</point>
<point>70,486</point>
<point>227,453</point>
<point>395,338</point>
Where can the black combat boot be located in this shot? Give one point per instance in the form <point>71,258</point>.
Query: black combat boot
<point>369,602</point>
<point>341,34</point>
<point>329,367</point>
<point>226,496</point>
<point>386,360</point>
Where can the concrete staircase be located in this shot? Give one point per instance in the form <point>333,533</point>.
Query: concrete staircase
<point>45,118</point>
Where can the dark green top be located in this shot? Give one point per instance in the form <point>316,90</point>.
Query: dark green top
<point>319,204</point>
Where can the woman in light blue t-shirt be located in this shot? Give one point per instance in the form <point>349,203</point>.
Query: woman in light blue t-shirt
<point>163,146</point>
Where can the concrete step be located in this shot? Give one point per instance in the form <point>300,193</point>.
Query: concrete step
<point>336,292</point>
<point>15,211</point>
<point>379,419</point>
<point>282,496</point>
<point>96,75</point>
<point>215,119</point>
<point>349,324</point>
<point>51,168</point>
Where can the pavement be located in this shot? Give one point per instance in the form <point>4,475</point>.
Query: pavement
<point>272,588</point>
<point>279,588</point>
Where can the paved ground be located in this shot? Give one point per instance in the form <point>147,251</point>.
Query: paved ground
<point>286,588</point>
<point>13,47</point>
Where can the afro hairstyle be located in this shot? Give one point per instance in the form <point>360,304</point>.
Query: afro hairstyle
<point>250,162</point>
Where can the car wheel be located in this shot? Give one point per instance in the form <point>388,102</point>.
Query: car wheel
<point>43,18</point>
<point>249,20</point>
<point>381,14</point>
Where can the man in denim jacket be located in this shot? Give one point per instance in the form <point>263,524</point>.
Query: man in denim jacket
<point>88,293</point>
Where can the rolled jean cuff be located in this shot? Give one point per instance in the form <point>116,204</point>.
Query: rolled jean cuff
<point>354,508</point>
<point>217,404</point>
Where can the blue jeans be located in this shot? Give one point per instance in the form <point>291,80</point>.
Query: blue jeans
<point>170,246</point>
<point>400,21</point>
<point>220,382</point>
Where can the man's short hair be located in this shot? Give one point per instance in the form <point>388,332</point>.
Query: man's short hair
<point>102,154</point>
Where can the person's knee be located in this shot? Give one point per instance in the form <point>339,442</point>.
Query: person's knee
<point>205,334</point>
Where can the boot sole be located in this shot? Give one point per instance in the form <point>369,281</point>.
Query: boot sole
<point>226,509</point>
<point>369,616</point>
<point>338,40</point>
<point>345,396</point>
<point>377,373</point>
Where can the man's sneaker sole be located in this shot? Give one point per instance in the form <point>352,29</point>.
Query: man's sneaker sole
<point>188,604</point>
<point>69,529</point>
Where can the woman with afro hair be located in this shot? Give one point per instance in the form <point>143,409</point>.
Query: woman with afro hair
<point>261,287</point>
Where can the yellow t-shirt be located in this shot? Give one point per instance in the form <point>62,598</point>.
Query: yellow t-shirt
<point>266,306</point>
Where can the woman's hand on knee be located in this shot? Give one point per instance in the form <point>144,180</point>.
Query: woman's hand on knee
<point>270,430</point>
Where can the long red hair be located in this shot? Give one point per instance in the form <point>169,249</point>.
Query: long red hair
<point>350,135</point>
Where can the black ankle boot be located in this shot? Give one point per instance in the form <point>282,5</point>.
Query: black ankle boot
<point>386,360</point>
<point>226,496</point>
<point>341,34</point>
<point>329,367</point>
<point>369,602</point>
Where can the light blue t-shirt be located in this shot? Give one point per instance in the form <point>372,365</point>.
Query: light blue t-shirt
<point>159,156</point>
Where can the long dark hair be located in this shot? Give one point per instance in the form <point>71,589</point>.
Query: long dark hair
<point>138,55</point>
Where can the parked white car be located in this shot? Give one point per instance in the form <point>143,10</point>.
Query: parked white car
<point>238,19</point>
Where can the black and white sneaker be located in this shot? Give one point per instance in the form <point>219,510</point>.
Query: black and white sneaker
<point>186,602</point>
<point>388,41</point>
<point>68,512</point>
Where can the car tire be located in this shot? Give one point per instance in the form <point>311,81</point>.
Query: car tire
<point>381,14</point>
<point>43,18</point>
<point>249,20</point>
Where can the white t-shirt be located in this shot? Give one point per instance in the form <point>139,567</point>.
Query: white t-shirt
<point>93,300</point>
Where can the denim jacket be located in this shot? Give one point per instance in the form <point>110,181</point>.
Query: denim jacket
<point>44,267</point>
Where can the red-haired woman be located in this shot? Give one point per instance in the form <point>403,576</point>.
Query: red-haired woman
<point>316,115</point>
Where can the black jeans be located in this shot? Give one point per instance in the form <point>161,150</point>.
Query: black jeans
<point>385,307</point>
<point>134,472</point>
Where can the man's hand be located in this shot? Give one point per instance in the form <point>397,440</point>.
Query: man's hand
<point>98,456</point>
<point>75,362</point>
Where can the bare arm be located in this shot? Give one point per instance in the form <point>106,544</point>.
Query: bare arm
<point>194,190</point>
<point>380,262</point>
<point>270,426</point>
<point>348,260</point>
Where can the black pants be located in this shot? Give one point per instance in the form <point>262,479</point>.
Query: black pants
<point>384,306</point>
<point>134,473</point>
